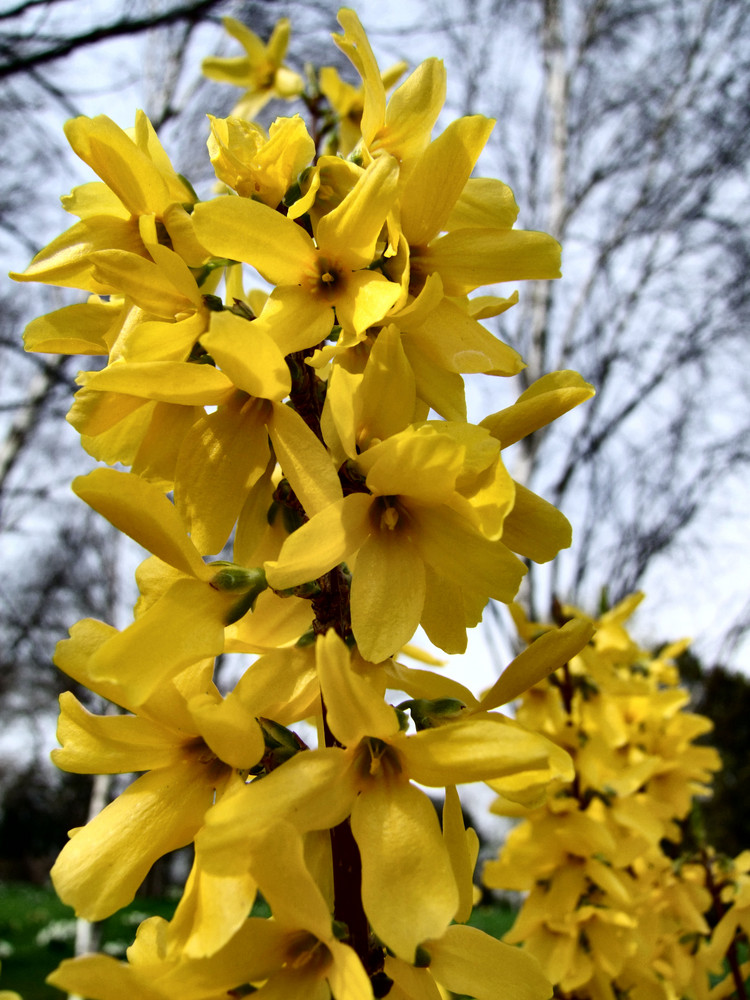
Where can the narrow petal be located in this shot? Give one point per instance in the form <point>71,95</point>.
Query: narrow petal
<point>451,157</point>
<point>408,889</point>
<point>102,866</point>
<point>141,511</point>
<point>322,543</point>
<point>547,653</point>
<point>534,528</point>
<point>456,550</point>
<point>466,960</point>
<point>544,401</point>
<point>387,597</point>
<point>111,744</point>
<point>250,231</point>
<point>77,329</point>
<point>166,381</point>
<point>369,295</point>
<point>473,749</point>
<point>248,355</point>
<point>351,230</point>
<point>304,460</point>
<point>355,709</point>
<point>468,258</point>
<point>484,202</point>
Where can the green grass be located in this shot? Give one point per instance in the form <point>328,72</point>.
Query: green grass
<point>37,932</point>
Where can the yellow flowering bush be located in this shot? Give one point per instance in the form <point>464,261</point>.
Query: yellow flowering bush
<point>296,461</point>
<point>611,910</point>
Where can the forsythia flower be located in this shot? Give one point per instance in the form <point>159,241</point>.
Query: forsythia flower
<point>607,911</point>
<point>307,489</point>
<point>260,70</point>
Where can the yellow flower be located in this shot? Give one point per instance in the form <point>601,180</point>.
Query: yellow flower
<point>255,165</point>
<point>261,70</point>
<point>140,205</point>
<point>182,735</point>
<point>417,537</point>
<point>348,103</point>
<point>408,887</point>
<point>312,278</point>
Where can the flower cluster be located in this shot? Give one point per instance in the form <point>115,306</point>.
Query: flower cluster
<point>309,490</point>
<point>609,912</point>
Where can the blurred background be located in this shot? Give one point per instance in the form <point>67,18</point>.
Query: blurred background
<point>623,127</point>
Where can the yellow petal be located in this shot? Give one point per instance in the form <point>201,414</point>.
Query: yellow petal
<point>102,866</point>
<point>248,355</point>
<point>547,653</point>
<point>426,204</point>
<point>466,960</point>
<point>387,596</point>
<point>473,749</point>
<point>484,202</point>
<point>77,329</point>
<point>544,401</point>
<point>534,528</point>
<point>141,511</point>
<point>246,230</point>
<point>112,744</point>
<point>304,461</point>
<point>355,709</point>
<point>408,890</point>
<point>468,258</point>
<point>322,543</point>
<point>222,456</point>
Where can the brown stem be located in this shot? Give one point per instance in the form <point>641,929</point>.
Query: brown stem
<point>331,610</point>
<point>720,909</point>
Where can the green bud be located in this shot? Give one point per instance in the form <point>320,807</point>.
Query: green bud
<point>213,303</point>
<point>246,583</point>
<point>340,930</point>
<point>422,958</point>
<point>306,639</point>
<point>429,714</point>
<point>275,735</point>
<point>403,719</point>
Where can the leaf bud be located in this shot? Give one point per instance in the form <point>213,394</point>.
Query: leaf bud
<point>431,713</point>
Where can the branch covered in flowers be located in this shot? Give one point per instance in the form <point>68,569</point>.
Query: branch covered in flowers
<point>611,911</point>
<point>310,492</point>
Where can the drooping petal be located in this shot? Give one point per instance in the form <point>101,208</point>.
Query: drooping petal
<point>455,550</point>
<point>322,543</point>
<point>466,960</point>
<point>387,594</point>
<point>248,355</point>
<point>221,458</point>
<point>102,866</point>
<point>368,297</point>
<point>546,654</point>
<point>355,709</point>
<point>141,511</point>
<point>250,231</point>
<point>304,461</point>
<point>408,890</point>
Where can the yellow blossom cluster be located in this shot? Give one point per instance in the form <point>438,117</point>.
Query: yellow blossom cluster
<point>609,912</point>
<point>309,491</point>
